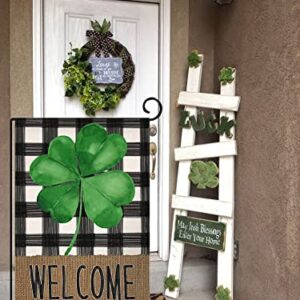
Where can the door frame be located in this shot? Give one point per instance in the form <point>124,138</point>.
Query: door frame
<point>164,93</point>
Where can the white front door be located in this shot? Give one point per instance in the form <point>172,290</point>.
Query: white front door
<point>136,26</point>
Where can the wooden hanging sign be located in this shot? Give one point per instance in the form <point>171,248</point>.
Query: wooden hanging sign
<point>200,232</point>
<point>107,69</point>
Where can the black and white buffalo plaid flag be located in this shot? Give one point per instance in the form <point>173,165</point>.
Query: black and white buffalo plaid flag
<point>35,233</point>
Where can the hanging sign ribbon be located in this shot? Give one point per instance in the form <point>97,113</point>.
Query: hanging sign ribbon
<point>101,42</point>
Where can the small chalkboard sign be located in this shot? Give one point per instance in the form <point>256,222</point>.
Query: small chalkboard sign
<point>107,69</point>
<point>199,232</point>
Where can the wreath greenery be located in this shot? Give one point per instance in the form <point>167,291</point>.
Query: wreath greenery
<point>77,70</point>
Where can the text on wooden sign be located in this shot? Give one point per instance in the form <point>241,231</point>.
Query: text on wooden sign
<point>199,232</point>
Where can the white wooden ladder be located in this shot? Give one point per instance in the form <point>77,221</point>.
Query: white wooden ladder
<point>225,149</point>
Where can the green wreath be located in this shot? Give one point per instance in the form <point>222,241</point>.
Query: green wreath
<point>77,70</point>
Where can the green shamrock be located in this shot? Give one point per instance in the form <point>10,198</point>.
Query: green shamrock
<point>79,174</point>
<point>194,59</point>
<point>226,75</point>
<point>222,293</point>
<point>203,174</point>
<point>171,283</point>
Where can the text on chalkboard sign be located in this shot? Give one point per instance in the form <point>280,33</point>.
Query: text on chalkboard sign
<point>107,70</point>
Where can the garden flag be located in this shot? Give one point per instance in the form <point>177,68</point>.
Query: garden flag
<point>80,207</point>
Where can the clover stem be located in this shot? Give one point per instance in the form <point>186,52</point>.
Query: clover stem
<point>78,224</point>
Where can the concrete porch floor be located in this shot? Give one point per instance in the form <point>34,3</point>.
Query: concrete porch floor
<point>198,281</point>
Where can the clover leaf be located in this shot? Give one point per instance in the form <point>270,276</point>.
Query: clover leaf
<point>171,283</point>
<point>194,60</point>
<point>226,75</point>
<point>203,174</point>
<point>222,293</point>
<point>79,175</point>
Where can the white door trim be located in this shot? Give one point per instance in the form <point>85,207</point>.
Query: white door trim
<point>38,58</point>
<point>164,94</point>
<point>164,138</point>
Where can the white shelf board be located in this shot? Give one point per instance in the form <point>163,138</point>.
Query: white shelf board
<point>230,103</point>
<point>203,205</point>
<point>203,151</point>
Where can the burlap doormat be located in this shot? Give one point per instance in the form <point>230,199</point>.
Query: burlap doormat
<point>82,277</point>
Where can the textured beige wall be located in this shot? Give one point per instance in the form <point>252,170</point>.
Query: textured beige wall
<point>16,94</point>
<point>4,134</point>
<point>21,58</point>
<point>179,52</point>
<point>202,37</point>
<point>262,39</point>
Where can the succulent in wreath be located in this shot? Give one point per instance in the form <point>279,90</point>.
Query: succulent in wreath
<point>222,293</point>
<point>194,59</point>
<point>101,28</point>
<point>171,283</point>
<point>226,75</point>
<point>79,176</point>
<point>204,174</point>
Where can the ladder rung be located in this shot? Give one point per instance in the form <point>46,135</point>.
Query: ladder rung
<point>203,205</point>
<point>206,151</point>
<point>230,103</point>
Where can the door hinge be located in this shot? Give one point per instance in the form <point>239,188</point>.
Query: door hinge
<point>236,250</point>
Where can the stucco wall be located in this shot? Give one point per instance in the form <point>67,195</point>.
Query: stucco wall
<point>21,58</point>
<point>16,94</point>
<point>4,135</point>
<point>262,40</point>
<point>180,42</point>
